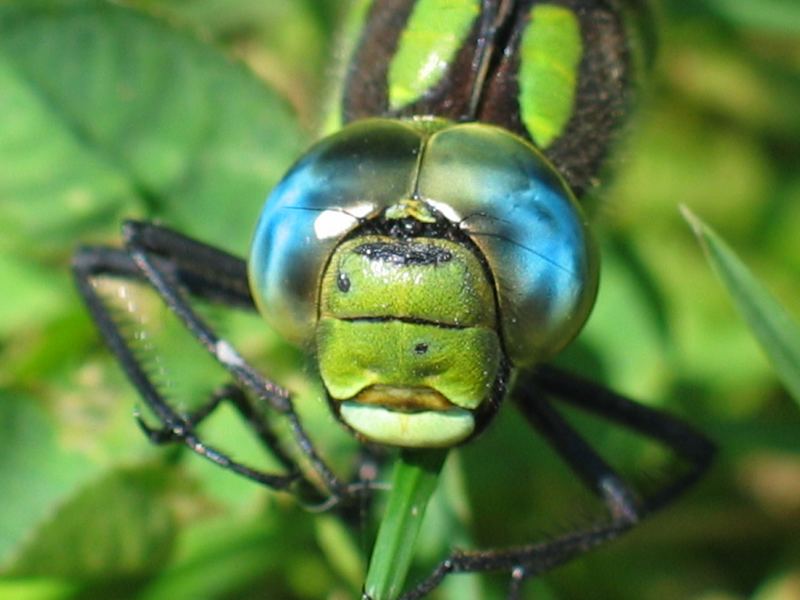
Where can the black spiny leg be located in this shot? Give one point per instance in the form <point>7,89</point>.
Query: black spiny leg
<point>624,506</point>
<point>241,403</point>
<point>172,263</point>
<point>688,443</point>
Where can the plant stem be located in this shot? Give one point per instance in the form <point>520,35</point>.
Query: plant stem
<point>414,480</point>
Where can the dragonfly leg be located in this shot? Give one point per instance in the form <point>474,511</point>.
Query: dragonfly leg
<point>677,435</point>
<point>175,265</point>
<point>239,400</point>
<point>90,263</point>
<point>620,500</point>
<point>625,507</point>
<point>164,435</point>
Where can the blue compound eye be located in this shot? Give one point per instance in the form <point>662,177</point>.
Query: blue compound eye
<point>343,180</point>
<point>511,202</point>
<point>485,183</point>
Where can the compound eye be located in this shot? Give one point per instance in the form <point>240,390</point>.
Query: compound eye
<point>344,179</point>
<point>512,203</point>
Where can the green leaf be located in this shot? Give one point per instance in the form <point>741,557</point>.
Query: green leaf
<point>37,589</point>
<point>773,327</point>
<point>37,296</point>
<point>338,546</point>
<point>414,479</point>
<point>40,474</point>
<point>264,554</point>
<point>287,43</point>
<point>117,526</point>
<point>104,110</point>
<point>778,16</point>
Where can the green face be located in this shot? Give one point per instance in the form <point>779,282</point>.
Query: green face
<point>407,339</point>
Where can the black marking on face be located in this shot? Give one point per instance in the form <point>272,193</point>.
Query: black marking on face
<point>405,253</point>
<point>421,348</point>
<point>343,282</point>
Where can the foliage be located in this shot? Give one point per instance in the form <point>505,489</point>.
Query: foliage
<point>772,326</point>
<point>188,112</point>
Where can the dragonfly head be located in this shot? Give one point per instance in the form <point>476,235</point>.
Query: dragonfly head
<point>423,261</point>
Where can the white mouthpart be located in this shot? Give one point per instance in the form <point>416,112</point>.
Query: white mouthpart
<point>425,429</point>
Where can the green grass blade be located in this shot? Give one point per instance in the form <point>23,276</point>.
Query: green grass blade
<point>776,331</point>
<point>415,476</point>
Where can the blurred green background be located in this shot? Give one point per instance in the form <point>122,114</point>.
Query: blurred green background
<point>188,112</point>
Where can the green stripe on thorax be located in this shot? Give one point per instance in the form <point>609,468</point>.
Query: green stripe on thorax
<point>433,34</point>
<point>550,57</point>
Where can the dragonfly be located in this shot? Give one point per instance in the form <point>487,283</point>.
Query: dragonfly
<point>433,253</point>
